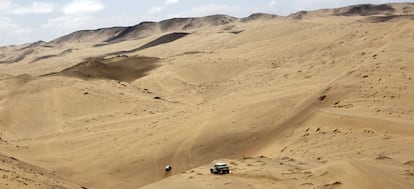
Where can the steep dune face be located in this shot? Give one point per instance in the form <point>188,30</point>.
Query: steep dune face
<point>167,38</point>
<point>322,102</point>
<point>141,30</point>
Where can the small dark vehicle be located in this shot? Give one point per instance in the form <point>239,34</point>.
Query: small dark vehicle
<point>168,168</point>
<point>220,168</point>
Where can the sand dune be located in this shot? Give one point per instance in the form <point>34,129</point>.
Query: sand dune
<point>313,100</point>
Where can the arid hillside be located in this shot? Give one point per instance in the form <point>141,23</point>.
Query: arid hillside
<point>320,99</point>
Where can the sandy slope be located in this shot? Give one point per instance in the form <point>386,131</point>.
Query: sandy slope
<point>17,174</point>
<point>323,102</point>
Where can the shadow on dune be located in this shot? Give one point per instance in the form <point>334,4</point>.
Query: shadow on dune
<point>168,38</point>
<point>121,69</point>
<point>63,53</point>
<point>164,39</point>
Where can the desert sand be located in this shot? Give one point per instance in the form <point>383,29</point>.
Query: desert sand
<point>321,99</point>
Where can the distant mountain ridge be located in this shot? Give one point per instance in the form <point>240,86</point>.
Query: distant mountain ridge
<point>145,29</point>
<point>105,36</point>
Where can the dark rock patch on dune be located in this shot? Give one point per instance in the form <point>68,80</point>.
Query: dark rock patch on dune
<point>120,69</point>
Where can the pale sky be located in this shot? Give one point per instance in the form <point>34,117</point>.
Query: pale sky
<point>24,21</point>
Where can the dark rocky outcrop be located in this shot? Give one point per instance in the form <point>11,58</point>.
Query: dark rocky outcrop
<point>364,10</point>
